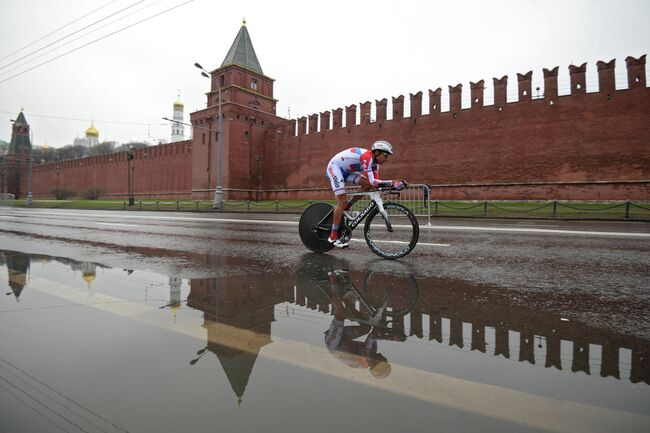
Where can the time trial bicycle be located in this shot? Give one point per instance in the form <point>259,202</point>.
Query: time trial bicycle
<point>391,229</point>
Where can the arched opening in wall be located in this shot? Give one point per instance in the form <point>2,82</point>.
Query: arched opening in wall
<point>246,137</point>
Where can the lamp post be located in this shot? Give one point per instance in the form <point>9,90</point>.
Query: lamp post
<point>57,182</point>
<point>218,192</point>
<point>257,178</point>
<point>129,158</point>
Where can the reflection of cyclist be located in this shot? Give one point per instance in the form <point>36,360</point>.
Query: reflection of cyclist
<point>340,339</point>
<point>356,166</point>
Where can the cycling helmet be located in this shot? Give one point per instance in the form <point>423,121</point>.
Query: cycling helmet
<point>383,146</point>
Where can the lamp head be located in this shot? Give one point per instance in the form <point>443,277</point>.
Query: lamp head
<point>198,66</point>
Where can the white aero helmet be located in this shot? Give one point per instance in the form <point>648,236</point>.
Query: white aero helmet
<point>383,146</point>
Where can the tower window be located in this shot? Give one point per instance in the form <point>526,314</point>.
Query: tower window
<point>246,138</point>
<point>254,84</point>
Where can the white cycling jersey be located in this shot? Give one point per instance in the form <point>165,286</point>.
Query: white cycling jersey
<point>349,165</point>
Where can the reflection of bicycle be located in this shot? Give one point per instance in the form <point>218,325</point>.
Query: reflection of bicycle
<point>384,300</point>
<point>387,232</point>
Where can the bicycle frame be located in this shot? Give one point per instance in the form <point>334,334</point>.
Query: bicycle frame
<point>375,201</point>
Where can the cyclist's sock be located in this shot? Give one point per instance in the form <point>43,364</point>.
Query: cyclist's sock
<point>334,234</point>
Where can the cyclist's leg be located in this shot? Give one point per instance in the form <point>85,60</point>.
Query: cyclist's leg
<point>364,186</point>
<point>337,181</point>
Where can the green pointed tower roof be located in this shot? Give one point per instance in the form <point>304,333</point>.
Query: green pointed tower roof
<point>242,53</point>
<point>21,118</point>
<point>20,143</point>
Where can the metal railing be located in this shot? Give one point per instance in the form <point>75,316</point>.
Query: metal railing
<point>417,197</point>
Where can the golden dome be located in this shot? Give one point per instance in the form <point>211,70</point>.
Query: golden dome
<point>92,131</point>
<point>89,277</point>
<point>178,104</point>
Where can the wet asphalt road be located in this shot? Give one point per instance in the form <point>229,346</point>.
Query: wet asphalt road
<point>569,298</point>
<point>576,261</point>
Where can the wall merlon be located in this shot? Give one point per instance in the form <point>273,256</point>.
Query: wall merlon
<point>500,91</point>
<point>381,109</point>
<point>578,79</point>
<point>365,112</point>
<point>313,123</point>
<point>635,72</point>
<point>434,101</point>
<point>476,93</point>
<point>337,118</point>
<point>550,83</point>
<point>398,107</point>
<point>302,125</point>
<point>455,95</point>
<point>416,104</point>
<point>350,115</point>
<point>606,76</point>
<point>525,88</point>
<point>324,121</point>
<point>293,127</point>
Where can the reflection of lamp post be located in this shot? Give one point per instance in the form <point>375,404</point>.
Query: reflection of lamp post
<point>218,192</point>
<point>129,157</point>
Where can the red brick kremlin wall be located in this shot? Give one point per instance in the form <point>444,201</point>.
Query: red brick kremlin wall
<point>578,146</point>
<point>162,171</point>
<point>592,146</point>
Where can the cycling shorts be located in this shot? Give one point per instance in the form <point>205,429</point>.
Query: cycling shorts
<point>338,178</point>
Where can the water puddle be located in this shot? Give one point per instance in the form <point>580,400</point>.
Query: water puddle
<point>90,347</point>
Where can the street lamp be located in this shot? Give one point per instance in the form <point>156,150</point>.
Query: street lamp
<point>57,182</point>
<point>129,157</point>
<point>218,192</point>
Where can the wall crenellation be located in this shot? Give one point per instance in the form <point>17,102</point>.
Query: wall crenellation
<point>334,120</point>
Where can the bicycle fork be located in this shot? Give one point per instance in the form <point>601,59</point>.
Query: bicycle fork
<point>382,211</point>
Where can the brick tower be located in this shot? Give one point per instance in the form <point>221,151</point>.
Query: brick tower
<point>15,167</point>
<point>248,110</point>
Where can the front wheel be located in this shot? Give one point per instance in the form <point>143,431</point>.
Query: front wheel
<point>394,238</point>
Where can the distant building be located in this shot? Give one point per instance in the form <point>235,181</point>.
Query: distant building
<point>91,139</point>
<point>178,129</point>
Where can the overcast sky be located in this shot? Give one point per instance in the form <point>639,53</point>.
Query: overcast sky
<point>323,55</point>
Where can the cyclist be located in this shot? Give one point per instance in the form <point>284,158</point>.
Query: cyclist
<point>356,166</point>
<point>340,339</point>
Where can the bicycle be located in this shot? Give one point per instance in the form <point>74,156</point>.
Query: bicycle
<point>385,298</point>
<point>387,240</point>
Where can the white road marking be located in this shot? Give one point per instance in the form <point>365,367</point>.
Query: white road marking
<point>117,224</point>
<point>402,242</point>
<point>271,222</point>
<point>531,230</point>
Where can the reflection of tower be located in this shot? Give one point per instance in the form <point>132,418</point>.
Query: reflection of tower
<point>17,269</point>
<point>238,312</point>
<point>174,294</point>
<point>177,125</point>
<point>88,271</point>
